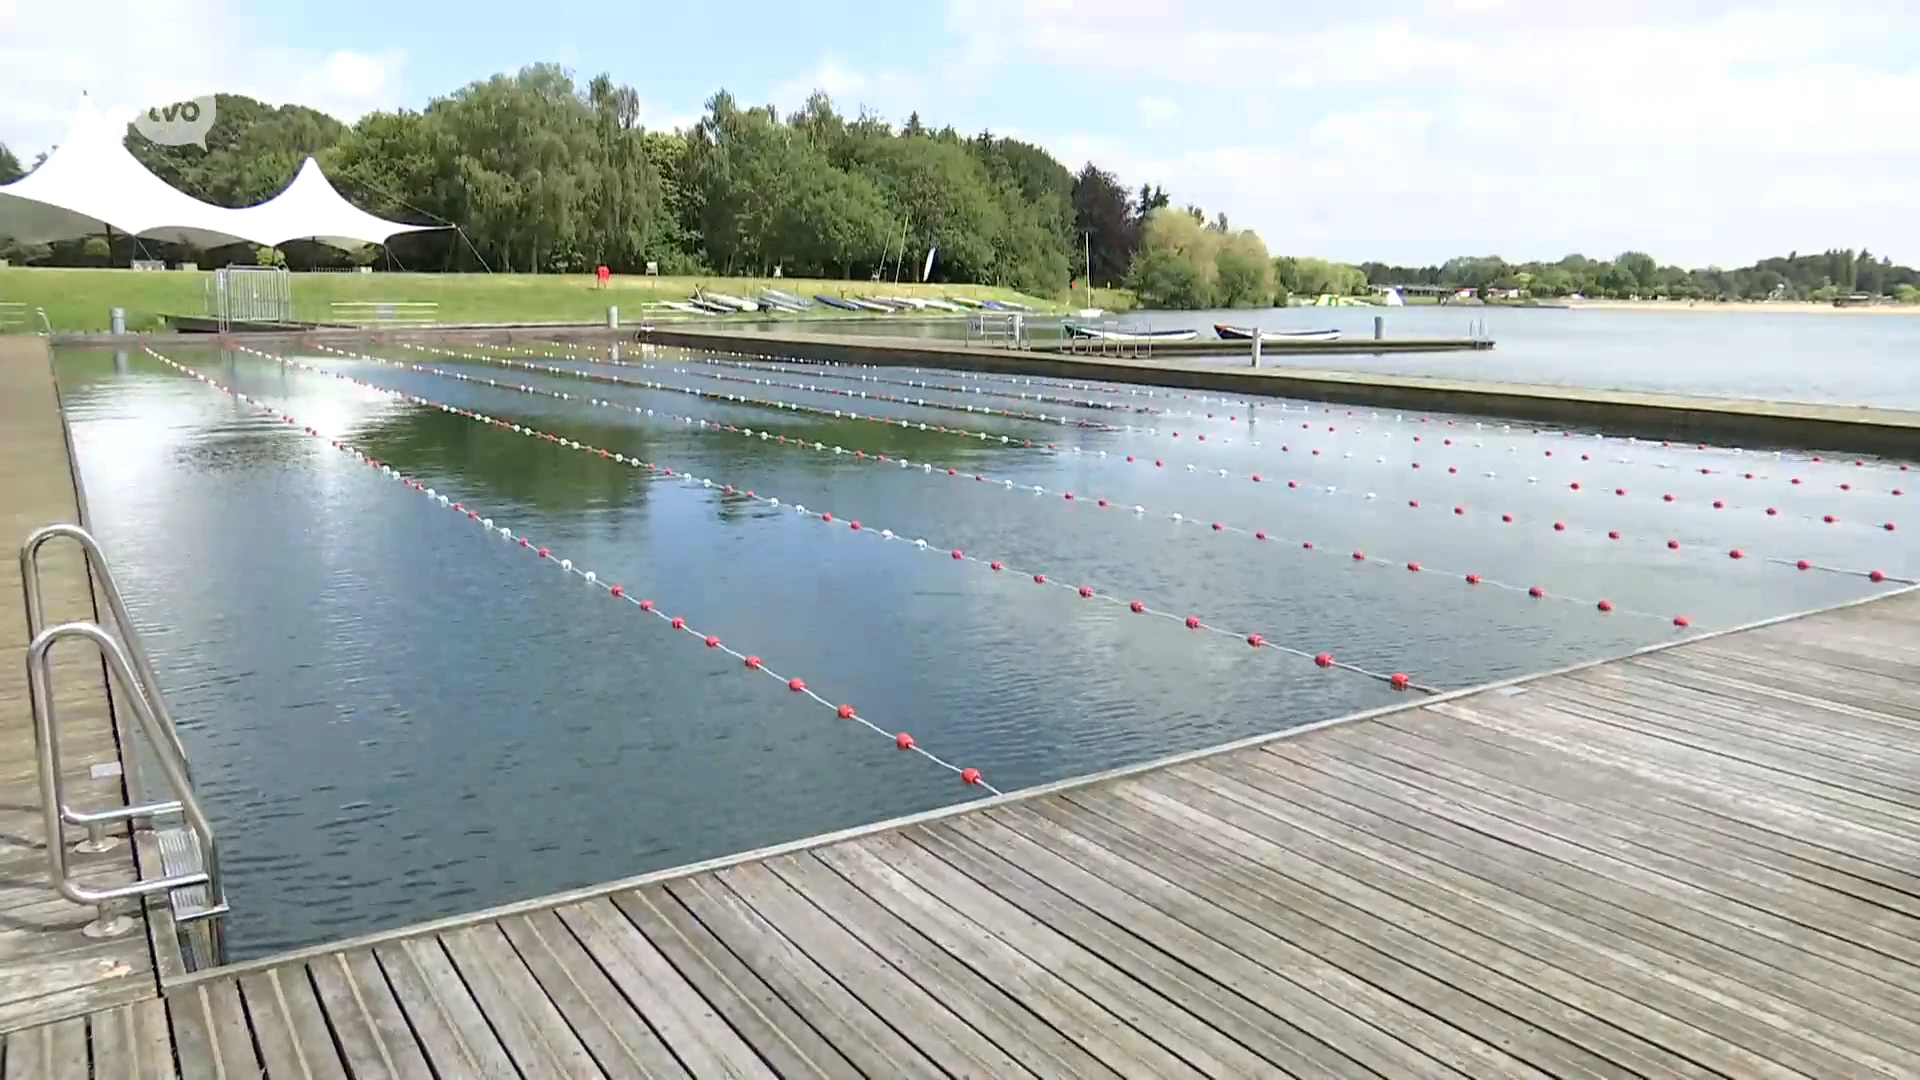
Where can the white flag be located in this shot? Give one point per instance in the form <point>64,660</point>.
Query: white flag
<point>927,270</point>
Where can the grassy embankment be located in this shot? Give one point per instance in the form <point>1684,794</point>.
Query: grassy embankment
<point>79,299</point>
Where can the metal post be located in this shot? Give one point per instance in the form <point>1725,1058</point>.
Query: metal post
<point>1379,327</point>
<point>117,318</point>
<point>1256,347</point>
<point>613,317</point>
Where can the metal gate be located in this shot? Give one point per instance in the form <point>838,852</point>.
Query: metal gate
<point>250,294</point>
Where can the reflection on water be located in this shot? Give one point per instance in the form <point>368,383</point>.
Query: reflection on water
<point>394,717</point>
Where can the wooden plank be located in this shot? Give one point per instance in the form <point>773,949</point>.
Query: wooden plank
<point>1111,1039</point>
<point>840,1017</point>
<point>1784,988</point>
<point>132,1042</point>
<point>1548,783</point>
<point>1205,1021</point>
<point>699,1035</point>
<point>366,1020</point>
<point>1645,965</point>
<point>1218,941</point>
<point>1451,985</point>
<point>56,1051</point>
<point>1756,821</point>
<point>979,1003</point>
<point>617,1037</point>
<point>528,1023</point>
<point>210,1033</point>
<point>456,1038</point>
<point>1378,852</point>
<point>746,1006</point>
<point>288,1026</point>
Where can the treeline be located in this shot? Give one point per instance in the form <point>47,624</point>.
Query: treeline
<point>542,174</point>
<point>1827,276</point>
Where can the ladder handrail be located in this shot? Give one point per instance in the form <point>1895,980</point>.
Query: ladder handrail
<point>129,668</point>
<point>116,604</point>
<point>52,787</point>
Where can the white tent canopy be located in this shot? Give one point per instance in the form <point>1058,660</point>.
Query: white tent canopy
<point>91,183</point>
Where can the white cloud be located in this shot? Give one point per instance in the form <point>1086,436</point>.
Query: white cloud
<point>1416,129</point>
<point>1157,112</point>
<point>892,94</point>
<point>128,55</point>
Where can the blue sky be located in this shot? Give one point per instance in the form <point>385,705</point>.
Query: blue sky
<point>1408,130</point>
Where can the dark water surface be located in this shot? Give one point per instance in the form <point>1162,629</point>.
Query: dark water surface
<point>395,716</point>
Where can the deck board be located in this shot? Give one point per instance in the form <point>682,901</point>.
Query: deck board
<point>48,969</point>
<point>1695,862</point>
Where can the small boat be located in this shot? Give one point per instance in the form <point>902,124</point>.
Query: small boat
<point>995,305</point>
<point>1015,305</point>
<point>901,303</point>
<point>734,302</point>
<point>1102,334</point>
<point>784,300</point>
<point>836,302</point>
<point>943,305</point>
<point>688,308</point>
<point>709,307</point>
<point>964,301</point>
<point>867,304</point>
<point>1245,333</point>
<point>1089,313</point>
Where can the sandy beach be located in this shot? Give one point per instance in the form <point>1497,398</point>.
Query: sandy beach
<point>1769,307</point>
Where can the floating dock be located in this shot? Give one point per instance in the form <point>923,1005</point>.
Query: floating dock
<point>1855,429</point>
<point>1699,860</point>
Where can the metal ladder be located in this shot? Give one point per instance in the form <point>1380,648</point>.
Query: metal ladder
<point>190,865</point>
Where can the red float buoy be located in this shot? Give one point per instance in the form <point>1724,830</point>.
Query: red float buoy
<point>1359,555</point>
<point>1605,605</point>
<point>1415,503</point>
<point>1323,659</point>
<point>1103,502</point>
<point>845,712</point>
<point>1255,640</point>
<point>1673,545</point>
<point>1157,463</point>
<point>827,517</point>
<point>1682,620</point>
<point>1667,497</point>
<point>1193,622</point>
<point>1736,553</point>
<point>1803,565</point>
<point>677,623</point>
<point>1771,511</point>
<point>542,553</point>
<point>1260,534</point>
<point>1828,518</point>
<point>994,565</point>
<point>1619,491</point>
<point>616,591</point>
<point>1575,486</point>
<point>796,685</point>
<point>1536,592</point>
<point>1308,544</point>
<point>1508,518</point>
<point>1398,681</point>
<point>1719,505</point>
<point>1136,607</point>
<point>1414,566</point>
<point>1613,534</point>
<point>1256,478</point>
<point>752,661</point>
<point>646,605</point>
<point>1086,592</point>
<point>1068,495</point>
<point>1473,579</point>
<point>1559,526</point>
<point>712,642</point>
<point>903,740</point>
<point>970,776</point>
<point>1888,526</point>
<point>1039,579</point>
<point>1459,509</point>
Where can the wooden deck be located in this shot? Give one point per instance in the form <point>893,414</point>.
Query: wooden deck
<point>48,969</point>
<point>1698,861</point>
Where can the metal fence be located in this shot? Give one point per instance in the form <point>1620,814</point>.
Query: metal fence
<point>15,318</point>
<point>383,313</point>
<point>250,294</point>
<point>1007,331</point>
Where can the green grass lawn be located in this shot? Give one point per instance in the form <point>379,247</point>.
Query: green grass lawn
<point>79,299</point>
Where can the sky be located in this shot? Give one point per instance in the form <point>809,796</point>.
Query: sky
<point>1409,131</point>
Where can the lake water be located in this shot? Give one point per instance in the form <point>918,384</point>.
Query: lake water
<point>394,715</point>
<point>1855,359</point>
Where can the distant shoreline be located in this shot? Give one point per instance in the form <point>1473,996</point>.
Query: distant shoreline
<point>1802,307</point>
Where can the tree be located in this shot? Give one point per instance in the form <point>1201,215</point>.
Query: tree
<point>1178,264</point>
<point>253,151</point>
<point>1244,276</point>
<point>9,166</point>
<point>1102,214</point>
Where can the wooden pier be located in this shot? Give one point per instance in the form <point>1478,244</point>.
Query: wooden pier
<point>48,968</point>
<point>1702,860</point>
